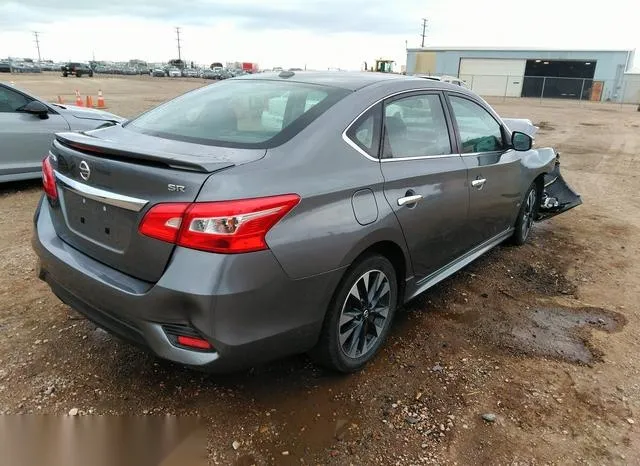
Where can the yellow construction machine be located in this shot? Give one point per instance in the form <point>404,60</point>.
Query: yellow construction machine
<point>383,65</point>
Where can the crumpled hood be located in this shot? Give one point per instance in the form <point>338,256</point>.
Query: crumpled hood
<point>87,113</point>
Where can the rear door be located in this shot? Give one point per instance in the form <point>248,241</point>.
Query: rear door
<point>493,169</point>
<point>24,138</point>
<point>425,180</point>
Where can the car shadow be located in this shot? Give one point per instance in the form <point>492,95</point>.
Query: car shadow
<point>12,187</point>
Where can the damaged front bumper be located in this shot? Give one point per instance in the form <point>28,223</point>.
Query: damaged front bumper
<point>557,196</point>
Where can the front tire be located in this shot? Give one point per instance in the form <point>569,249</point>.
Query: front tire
<point>359,317</point>
<point>527,214</point>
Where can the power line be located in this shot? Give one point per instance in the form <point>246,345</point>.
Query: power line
<point>178,38</point>
<point>35,33</point>
<point>424,30</point>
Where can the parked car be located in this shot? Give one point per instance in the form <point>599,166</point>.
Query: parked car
<point>219,239</point>
<point>5,66</point>
<point>24,66</point>
<point>174,72</point>
<point>209,74</point>
<point>27,126</point>
<point>445,79</point>
<point>190,73</point>
<point>158,73</point>
<point>76,69</point>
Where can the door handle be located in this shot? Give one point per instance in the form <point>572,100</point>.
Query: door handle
<point>409,199</point>
<point>479,183</point>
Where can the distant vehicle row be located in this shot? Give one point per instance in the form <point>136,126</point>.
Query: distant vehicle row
<point>204,73</point>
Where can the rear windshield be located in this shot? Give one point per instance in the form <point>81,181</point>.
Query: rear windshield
<point>239,113</point>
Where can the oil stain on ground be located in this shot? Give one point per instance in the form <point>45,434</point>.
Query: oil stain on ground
<point>562,333</point>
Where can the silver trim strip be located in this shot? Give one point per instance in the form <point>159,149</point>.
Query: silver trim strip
<point>458,263</point>
<point>421,157</point>
<point>346,139</point>
<point>107,197</point>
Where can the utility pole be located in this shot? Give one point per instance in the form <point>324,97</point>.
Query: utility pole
<point>178,38</point>
<point>35,33</point>
<point>424,30</point>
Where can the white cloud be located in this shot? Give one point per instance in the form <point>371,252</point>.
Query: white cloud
<point>316,33</point>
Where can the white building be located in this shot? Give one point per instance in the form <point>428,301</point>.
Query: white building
<point>512,72</point>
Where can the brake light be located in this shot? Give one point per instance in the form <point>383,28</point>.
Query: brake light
<point>49,179</point>
<point>226,227</point>
<point>163,221</point>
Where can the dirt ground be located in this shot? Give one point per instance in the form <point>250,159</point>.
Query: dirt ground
<point>542,340</point>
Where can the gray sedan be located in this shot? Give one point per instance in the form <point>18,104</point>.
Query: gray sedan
<point>281,213</point>
<point>28,125</point>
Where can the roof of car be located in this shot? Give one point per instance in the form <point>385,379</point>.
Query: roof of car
<point>344,79</point>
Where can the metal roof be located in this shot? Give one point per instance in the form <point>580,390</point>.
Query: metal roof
<point>511,49</point>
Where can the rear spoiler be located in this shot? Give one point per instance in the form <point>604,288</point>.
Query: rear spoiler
<point>102,148</point>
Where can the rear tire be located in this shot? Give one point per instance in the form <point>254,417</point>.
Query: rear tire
<point>527,214</point>
<point>359,316</point>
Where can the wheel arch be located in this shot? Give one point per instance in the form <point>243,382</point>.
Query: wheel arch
<point>395,253</point>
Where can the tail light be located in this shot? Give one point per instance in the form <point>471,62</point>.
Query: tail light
<point>49,179</point>
<point>226,227</point>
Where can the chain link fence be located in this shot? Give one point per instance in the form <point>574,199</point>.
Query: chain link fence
<point>624,90</point>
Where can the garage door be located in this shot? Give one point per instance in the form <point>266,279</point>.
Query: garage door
<point>493,76</point>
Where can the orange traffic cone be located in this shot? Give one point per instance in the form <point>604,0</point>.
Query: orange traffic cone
<point>101,103</point>
<point>89,102</point>
<point>79,99</point>
<point>60,101</point>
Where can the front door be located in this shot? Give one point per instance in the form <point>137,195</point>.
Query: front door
<point>24,138</point>
<point>494,170</point>
<point>425,181</point>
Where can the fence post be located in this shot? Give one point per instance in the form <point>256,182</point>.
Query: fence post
<point>506,86</point>
<point>582,90</point>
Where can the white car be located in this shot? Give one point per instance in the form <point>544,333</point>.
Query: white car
<point>28,125</point>
<point>445,79</point>
<point>174,72</point>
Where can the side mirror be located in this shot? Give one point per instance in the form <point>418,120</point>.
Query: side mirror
<point>36,107</point>
<point>520,141</point>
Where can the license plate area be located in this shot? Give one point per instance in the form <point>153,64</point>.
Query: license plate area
<point>107,225</point>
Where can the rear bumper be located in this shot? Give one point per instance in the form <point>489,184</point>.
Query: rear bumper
<point>244,305</point>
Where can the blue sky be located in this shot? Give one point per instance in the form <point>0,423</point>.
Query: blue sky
<point>295,33</point>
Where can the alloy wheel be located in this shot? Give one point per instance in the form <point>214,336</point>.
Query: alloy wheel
<point>364,314</point>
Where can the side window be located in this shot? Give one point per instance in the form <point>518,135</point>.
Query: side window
<point>365,132</point>
<point>415,126</point>
<point>313,99</point>
<point>11,101</point>
<point>479,131</point>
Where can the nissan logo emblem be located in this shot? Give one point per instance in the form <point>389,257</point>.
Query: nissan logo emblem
<point>85,171</point>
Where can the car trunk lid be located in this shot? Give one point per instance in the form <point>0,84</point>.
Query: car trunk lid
<point>106,186</point>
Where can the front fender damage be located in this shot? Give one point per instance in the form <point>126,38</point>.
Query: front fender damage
<point>557,195</point>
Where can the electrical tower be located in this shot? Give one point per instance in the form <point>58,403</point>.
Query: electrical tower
<point>178,39</point>
<point>424,30</point>
<point>37,41</point>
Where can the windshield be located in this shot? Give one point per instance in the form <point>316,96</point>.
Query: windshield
<point>239,113</point>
